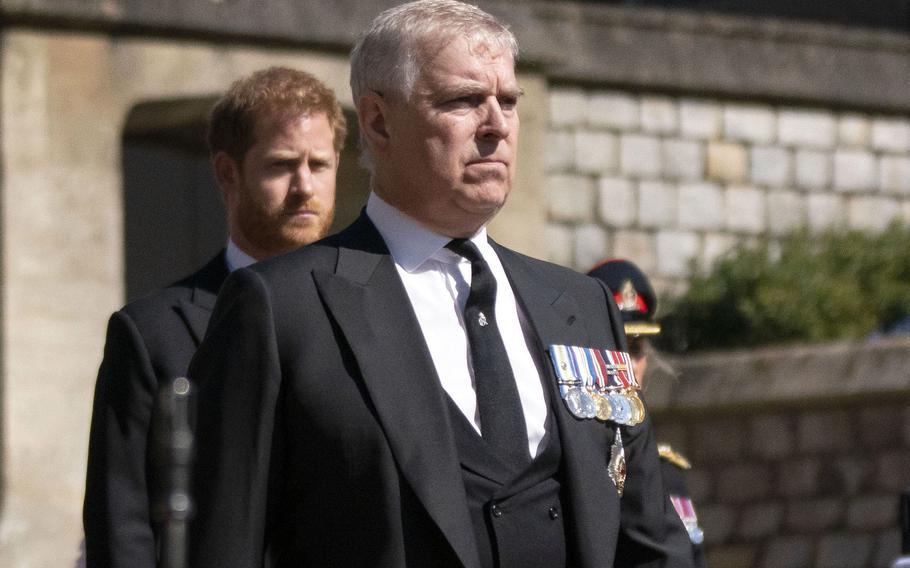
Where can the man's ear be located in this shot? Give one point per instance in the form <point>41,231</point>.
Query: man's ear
<point>372,117</point>
<point>227,173</point>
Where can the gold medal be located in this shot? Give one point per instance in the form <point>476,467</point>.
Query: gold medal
<point>616,469</point>
<point>638,409</point>
<point>604,409</point>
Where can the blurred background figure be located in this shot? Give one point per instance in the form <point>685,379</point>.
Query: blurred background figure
<point>637,304</point>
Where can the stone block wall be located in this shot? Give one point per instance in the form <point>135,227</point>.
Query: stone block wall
<point>804,465</point>
<point>663,180</point>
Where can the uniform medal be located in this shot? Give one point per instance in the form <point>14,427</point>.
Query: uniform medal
<point>616,469</point>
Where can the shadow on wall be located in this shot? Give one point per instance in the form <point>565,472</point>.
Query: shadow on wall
<point>174,218</point>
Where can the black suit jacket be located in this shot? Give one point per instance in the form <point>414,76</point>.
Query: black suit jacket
<point>149,342</point>
<point>323,434</point>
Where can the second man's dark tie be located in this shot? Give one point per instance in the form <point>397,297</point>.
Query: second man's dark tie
<point>502,422</point>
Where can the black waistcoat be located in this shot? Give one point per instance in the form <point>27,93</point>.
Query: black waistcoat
<point>517,516</point>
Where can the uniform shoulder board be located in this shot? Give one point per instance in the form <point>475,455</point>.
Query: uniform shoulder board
<point>672,456</point>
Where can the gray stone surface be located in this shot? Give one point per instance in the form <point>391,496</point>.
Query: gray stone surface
<point>749,123</point>
<point>799,478</point>
<point>891,134</point>
<point>590,246</point>
<point>560,151</point>
<point>844,551</point>
<point>825,210</point>
<point>895,174</point>
<point>798,127</point>
<point>721,440</point>
<point>855,170</point>
<point>674,251</point>
<point>745,209</point>
<point>615,110</point>
<point>659,115</point>
<point>560,244</point>
<point>872,212</point>
<point>786,210</point>
<point>791,551</point>
<point>700,119</point>
<point>814,515</point>
<point>638,246</point>
<point>657,204</point>
<point>568,107</point>
<point>616,202</point>
<point>701,206</point>
<point>640,156</point>
<point>595,152</point>
<point>877,426</point>
<point>873,512</point>
<point>824,431</point>
<point>571,197</point>
<point>683,159</point>
<point>727,162</point>
<point>771,436</point>
<point>716,246</point>
<point>761,520</point>
<point>718,522</point>
<point>888,548</point>
<point>770,166</point>
<point>893,471</point>
<point>854,130</point>
<point>812,169</point>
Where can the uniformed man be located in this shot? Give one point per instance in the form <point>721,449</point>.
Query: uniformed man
<point>637,303</point>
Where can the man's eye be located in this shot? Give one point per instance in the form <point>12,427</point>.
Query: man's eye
<point>466,101</point>
<point>508,103</point>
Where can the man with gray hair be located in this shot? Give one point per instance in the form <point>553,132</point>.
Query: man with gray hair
<point>386,397</point>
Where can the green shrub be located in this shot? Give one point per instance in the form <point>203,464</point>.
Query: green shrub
<point>841,284</point>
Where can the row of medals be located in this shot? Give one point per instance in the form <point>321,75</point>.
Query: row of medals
<point>622,406</point>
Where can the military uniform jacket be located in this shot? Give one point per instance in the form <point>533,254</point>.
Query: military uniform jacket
<point>149,342</point>
<point>323,435</point>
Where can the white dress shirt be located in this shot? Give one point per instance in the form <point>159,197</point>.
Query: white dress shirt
<point>236,258</point>
<point>438,282</point>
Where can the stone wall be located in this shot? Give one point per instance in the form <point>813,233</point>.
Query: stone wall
<point>662,180</point>
<point>799,455</point>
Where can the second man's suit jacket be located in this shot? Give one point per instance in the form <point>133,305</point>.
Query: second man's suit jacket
<point>323,433</point>
<point>149,342</point>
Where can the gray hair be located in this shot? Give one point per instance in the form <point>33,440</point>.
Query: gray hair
<point>389,55</point>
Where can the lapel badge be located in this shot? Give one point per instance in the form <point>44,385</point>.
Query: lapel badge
<point>616,469</point>
<point>482,320</point>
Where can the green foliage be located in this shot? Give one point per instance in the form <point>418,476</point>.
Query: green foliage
<point>840,284</point>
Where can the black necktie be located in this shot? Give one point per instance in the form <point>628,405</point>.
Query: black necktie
<point>502,421</point>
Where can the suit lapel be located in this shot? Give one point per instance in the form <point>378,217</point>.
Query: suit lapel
<point>371,306</point>
<point>197,308</point>
<point>592,500</point>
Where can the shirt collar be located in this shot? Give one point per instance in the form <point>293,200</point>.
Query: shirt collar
<point>236,258</point>
<point>409,242</point>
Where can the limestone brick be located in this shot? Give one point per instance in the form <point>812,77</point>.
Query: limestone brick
<point>895,174</point>
<point>825,210</point>
<point>762,520</point>
<point>888,547</point>
<point>595,152</point>
<point>744,482</point>
<point>854,170</point>
<point>788,551</point>
<point>812,169</point>
<point>815,129</point>
<point>590,246</point>
<point>568,107</point>
<point>571,197</point>
<point>854,130</point>
<point>745,209</point>
<point>892,471</point>
<point>873,512</point>
<point>718,522</point>
<point>799,478</point>
<point>727,162</point>
<point>814,515</point>
<point>674,251</point>
<point>749,123</point>
<point>844,550</point>
<point>786,211</point>
<point>683,159</point>
<point>615,110</point>
<point>701,206</point>
<point>657,204</point>
<point>853,474</point>
<point>872,212</point>
<point>719,440</point>
<point>770,166</point>
<point>771,436</point>
<point>876,426</point>
<point>560,151</point>
<point>638,246</point>
<point>891,134</point>
<point>699,119</point>
<point>617,204</point>
<point>715,246</point>
<point>701,484</point>
<point>824,431</point>
<point>560,244</point>
<point>640,156</point>
<point>659,115</point>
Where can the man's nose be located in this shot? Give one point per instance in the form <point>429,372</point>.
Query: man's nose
<point>302,181</point>
<point>495,123</point>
